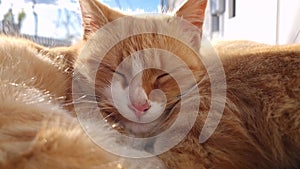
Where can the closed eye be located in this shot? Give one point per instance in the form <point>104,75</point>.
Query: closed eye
<point>162,75</point>
<point>123,77</point>
<point>160,80</point>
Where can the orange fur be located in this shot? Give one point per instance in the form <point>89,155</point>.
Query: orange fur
<point>36,131</point>
<point>260,127</point>
<point>260,124</point>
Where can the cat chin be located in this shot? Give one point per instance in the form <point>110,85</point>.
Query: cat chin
<point>144,129</point>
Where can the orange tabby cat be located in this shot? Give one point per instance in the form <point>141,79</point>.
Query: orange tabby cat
<point>37,130</point>
<point>260,124</point>
<point>259,128</point>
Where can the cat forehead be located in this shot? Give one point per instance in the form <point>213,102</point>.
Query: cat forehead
<point>129,26</point>
<point>157,23</point>
<point>111,34</point>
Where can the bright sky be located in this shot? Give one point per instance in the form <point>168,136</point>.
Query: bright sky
<point>135,5</point>
<point>52,16</point>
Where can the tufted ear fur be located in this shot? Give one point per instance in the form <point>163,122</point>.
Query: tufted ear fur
<point>95,15</point>
<point>193,11</point>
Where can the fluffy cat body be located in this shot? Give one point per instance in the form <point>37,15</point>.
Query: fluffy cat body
<point>37,130</point>
<point>260,126</point>
<point>263,127</point>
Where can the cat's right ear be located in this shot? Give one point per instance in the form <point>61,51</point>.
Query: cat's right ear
<point>193,11</point>
<point>95,15</point>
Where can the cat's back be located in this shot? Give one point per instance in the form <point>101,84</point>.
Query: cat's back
<point>33,123</point>
<point>243,47</point>
<point>23,62</point>
<point>242,53</point>
<point>263,81</point>
<point>271,73</point>
<point>247,60</point>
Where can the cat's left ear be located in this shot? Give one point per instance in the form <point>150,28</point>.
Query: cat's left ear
<point>95,15</point>
<point>193,11</point>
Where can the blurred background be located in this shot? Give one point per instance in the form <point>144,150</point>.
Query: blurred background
<point>58,22</point>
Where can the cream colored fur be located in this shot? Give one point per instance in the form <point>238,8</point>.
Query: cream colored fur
<point>36,131</point>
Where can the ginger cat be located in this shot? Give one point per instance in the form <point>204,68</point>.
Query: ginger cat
<point>38,128</point>
<point>260,125</point>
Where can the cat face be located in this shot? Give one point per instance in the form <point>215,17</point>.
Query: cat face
<point>137,79</point>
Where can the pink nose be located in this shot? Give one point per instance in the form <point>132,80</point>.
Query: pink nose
<point>140,108</point>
